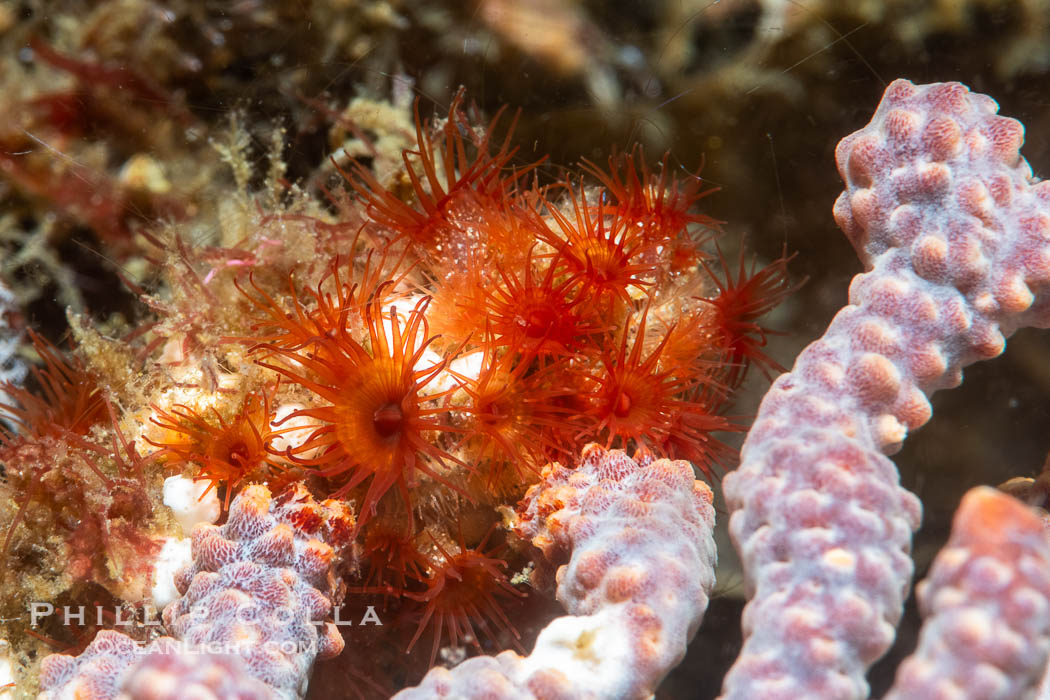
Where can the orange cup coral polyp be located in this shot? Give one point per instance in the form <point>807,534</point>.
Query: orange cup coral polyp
<point>464,590</point>
<point>225,452</point>
<point>375,423</point>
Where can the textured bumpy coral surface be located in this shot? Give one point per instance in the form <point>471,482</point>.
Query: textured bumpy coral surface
<point>116,666</point>
<point>96,673</point>
<point>167,676</point>
<point>260,581</point>
<point>953,230</point>
<point>256,589</point>
<point>637,533</point>
<point>987,604</point>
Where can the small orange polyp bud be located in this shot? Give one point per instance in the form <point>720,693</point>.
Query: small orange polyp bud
<point>463,590</point>
<point>655,201</point>
<point>738,306</point>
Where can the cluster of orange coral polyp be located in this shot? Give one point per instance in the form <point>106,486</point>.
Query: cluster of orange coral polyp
<point>560,315</point>
<point>551,283</point>
<point>375,423</point>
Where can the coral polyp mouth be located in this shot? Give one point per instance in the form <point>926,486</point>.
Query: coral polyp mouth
<point>389,420</point>
<point>622,405</point>
<point>495,414</point>
<point>538,323</point>
<point>239,454</point>
<point>372,422</point>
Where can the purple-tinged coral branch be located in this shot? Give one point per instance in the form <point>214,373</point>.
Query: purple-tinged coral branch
<point>245,620</point>
<point>955,235</point>
<point>987,606</point>
<point>637,535</point>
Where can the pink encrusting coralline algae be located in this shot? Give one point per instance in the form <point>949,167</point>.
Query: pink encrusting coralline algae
<point>637,536</point>
<point>256,590</point>
<point>955,235</point>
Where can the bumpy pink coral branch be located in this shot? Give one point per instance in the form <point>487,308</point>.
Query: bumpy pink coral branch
<point>114,666</point>
<point>955,235</point>
<point>636,585</point>
<point>246,616</point>
<point>987,604</point>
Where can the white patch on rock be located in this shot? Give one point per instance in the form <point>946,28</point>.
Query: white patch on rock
<point>592,647</point>
<point>7,672</point>
<point>299,429</point>
<point>173,556</point>
<point>189,503</point>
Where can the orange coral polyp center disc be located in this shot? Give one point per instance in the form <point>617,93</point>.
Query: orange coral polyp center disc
<point>235,451</point>
<point>388,420</point>
<point>496,415</point>
<point>493,412</point>
<point>374,413</point>
<point>466,581</point>
<point>622,406</point>
<point>602,259</point>
<point>239,454</point>
<point>538,322</point>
